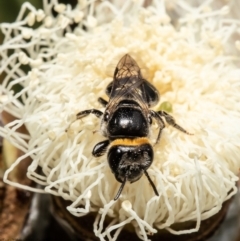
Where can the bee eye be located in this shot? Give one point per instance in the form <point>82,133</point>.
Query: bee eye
<point>106,116</point>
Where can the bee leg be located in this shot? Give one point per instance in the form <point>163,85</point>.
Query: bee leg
<point>152,184</point>
<point>160,122</point>
<point>171,121</point>
<point>84,113</point>
<point>100,148</point>
<point>121,188</point>
<point>102,101</point>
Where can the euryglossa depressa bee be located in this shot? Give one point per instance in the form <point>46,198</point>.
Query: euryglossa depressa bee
<point>126,123</point>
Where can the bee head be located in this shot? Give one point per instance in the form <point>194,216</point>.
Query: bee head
<point>129,159</point>
<point>129,162</point>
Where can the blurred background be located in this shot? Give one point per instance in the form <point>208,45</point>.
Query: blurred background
<point>9,9</point>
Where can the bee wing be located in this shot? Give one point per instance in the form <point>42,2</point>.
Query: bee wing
<point>127,67</point>
<point>128,81</point>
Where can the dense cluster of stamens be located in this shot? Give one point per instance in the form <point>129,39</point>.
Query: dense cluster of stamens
<point>193,64</point>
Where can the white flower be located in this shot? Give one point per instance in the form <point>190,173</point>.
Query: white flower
<point>188,62</point>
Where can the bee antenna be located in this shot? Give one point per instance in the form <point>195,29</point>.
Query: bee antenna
<point>151,182</point>
<point>121,188</point>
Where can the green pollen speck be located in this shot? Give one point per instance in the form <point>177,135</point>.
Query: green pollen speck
<point>166,106</point>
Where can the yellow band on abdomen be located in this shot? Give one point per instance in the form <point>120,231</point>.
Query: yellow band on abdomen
<point>130,142</point>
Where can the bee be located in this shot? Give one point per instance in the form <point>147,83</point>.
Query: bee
<point>126,124</point>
